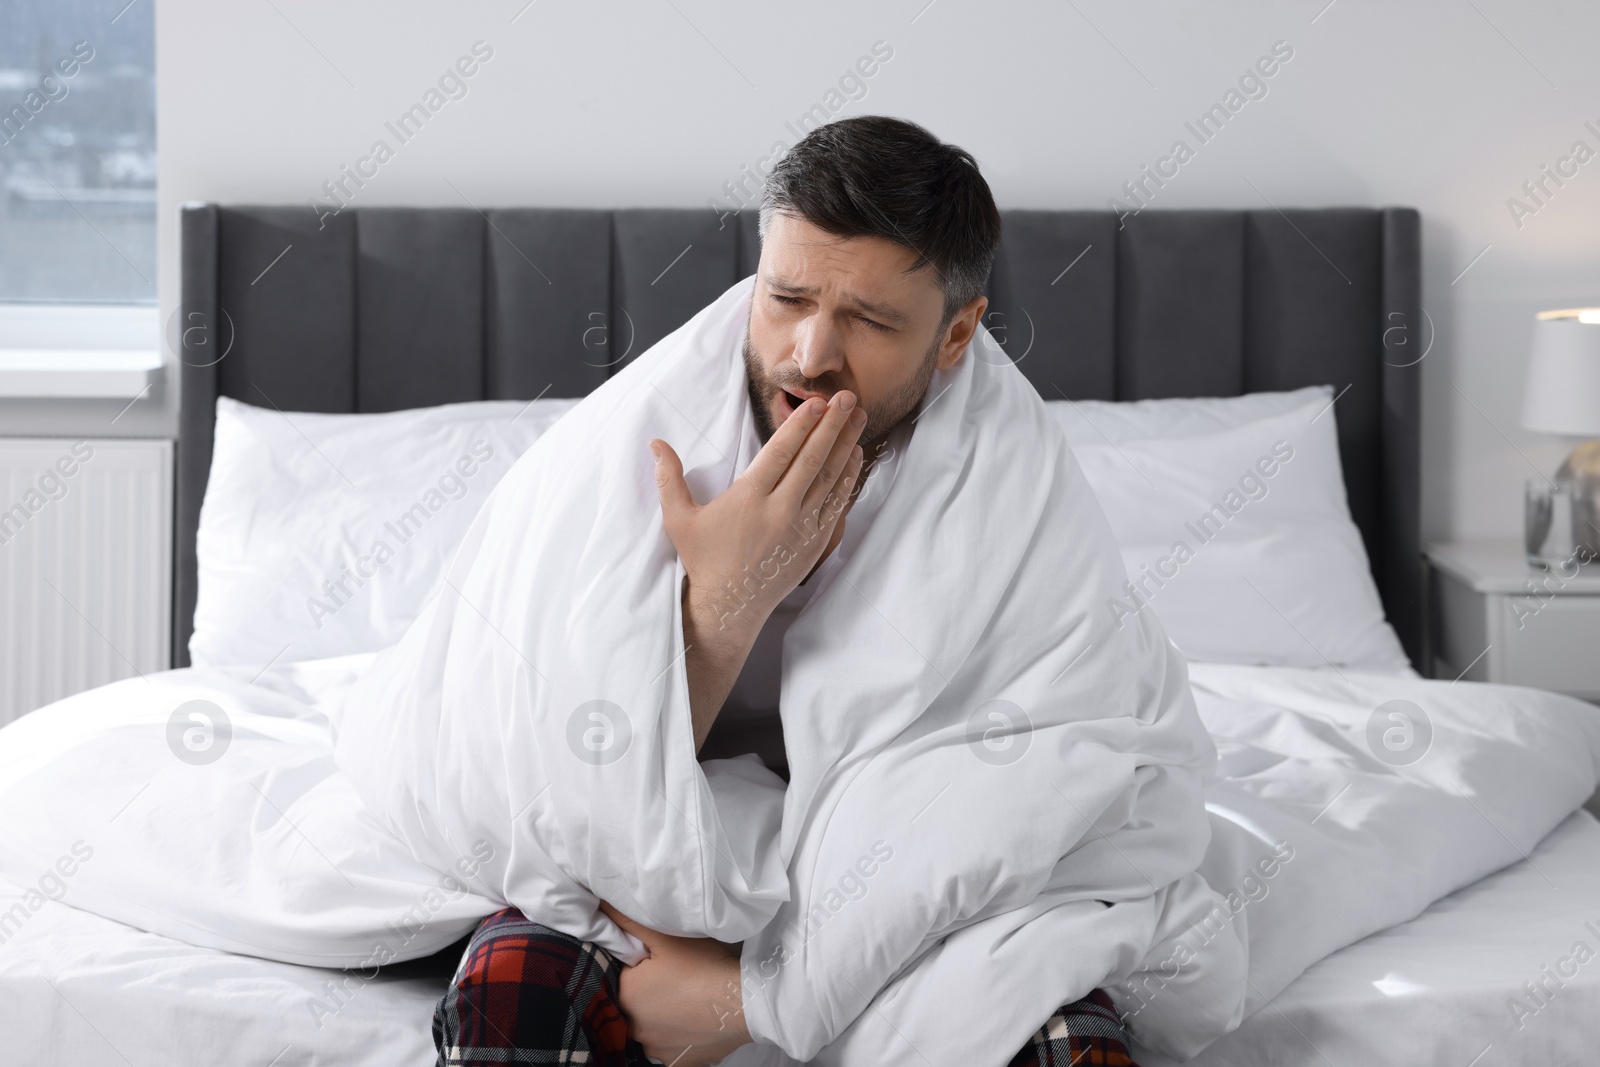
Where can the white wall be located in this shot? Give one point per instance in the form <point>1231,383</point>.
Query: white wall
<point>1444,106</point>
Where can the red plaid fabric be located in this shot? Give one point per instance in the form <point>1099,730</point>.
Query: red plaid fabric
<point>527,994</point>
<point>1085,1033</point>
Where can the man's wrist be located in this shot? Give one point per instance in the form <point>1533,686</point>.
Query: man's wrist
<point>724,639</point>
<point>722,611</point>
<point>729,1003</point>
<point>713,656</point>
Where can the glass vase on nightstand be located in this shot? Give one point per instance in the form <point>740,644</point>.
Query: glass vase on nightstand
<point>1553,514</point>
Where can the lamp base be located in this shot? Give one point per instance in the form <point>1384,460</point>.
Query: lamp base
<point>1580,471</point>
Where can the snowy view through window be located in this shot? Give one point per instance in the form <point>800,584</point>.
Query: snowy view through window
<point>77,152</point>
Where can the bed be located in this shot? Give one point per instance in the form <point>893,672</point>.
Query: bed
<point>381,310</point>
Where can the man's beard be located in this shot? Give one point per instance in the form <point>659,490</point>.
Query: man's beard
<point>882,417</point>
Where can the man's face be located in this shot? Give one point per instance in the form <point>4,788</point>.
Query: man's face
<point>832,313</point>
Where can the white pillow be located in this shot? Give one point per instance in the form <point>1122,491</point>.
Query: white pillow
<point>1094,422</point>
<point>1242,543</point>
<point>323,535</point>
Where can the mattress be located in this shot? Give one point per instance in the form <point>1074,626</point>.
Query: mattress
<point>1504,971</point>
<point>77,989</point>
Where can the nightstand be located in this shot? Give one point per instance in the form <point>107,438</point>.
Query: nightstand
<point>1493,618</point>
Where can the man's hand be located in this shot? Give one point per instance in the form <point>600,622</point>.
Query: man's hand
<point>778,516</point>
<point>683,1001</point>
<point>746,550</point>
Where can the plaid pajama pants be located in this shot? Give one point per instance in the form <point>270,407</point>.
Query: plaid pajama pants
<point>527,994</point>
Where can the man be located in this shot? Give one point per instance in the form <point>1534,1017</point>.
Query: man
<point>877,241</point>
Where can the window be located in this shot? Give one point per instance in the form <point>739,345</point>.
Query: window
<point>77,152</point>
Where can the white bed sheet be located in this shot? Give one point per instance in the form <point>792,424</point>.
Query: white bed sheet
<point>1439,989</point>
<point>1433,990</point>
<point>79,989</point>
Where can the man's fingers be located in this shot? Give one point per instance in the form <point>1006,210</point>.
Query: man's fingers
<point>620,919</point>
<point>825,516</point>
<point>631,926</point>
<point>775,456</point>
<point>839,498</point>
<point>675,495</point>
<point>838,459</point>
<point>810,466</point>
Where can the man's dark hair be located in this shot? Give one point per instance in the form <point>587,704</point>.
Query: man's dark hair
<point>880,177</point>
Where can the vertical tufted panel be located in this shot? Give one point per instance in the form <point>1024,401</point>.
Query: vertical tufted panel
<point>669,263</point>
<point>419,307</point>
<point>749,239</point>
<point>549,302</point>
<point>1407,335</point>
<point>285,286</point>
<point>1311,318</point>
<point>195,341</point>
<point>1180,301</point>
<point>1051,300</point>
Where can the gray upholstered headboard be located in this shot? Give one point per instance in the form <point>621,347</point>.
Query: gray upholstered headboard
<point>377,309</point>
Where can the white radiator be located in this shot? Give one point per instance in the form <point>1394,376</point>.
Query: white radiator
<point>85,565</point>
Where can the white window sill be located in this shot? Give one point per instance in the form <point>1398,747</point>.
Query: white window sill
<point>78,350</point>
<point>84,373</point>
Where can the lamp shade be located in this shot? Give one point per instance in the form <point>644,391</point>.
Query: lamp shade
<point>1562,395</point>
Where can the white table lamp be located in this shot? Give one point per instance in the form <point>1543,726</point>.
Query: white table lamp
<point>1562,397</point>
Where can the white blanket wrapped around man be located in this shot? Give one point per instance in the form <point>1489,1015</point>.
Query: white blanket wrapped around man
<point>973,742</point>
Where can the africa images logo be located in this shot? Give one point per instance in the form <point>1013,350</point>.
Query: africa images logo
<point>599,732</point>
<point>199,732</point>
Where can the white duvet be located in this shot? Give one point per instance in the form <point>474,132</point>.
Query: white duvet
<point>927,889</point>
